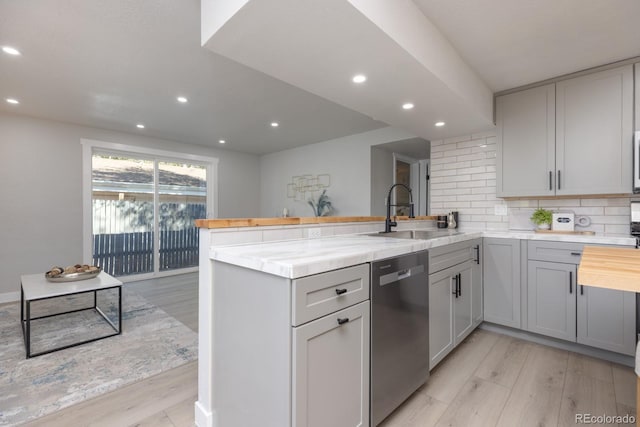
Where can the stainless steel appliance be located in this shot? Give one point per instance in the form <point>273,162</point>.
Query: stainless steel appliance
<point>399,331</point>
<point>635,218</point>
<point>636,162</point>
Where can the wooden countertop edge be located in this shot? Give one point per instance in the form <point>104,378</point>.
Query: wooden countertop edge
<point>611,268</point>
<point>264,222</point>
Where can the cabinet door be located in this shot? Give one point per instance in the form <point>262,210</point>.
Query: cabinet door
<point>476,287</point>
<point>501,281</point>
<point>462,302</point>
<point>331,370</point>
<point>594,116</point>
<point>526,142</point>
<point>440,316</point>
<point>607,319</point>
<point>551,299</point>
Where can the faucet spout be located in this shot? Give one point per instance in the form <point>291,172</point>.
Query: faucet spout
<point>387,222</point>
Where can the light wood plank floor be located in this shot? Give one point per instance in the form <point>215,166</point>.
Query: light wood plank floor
<point>489,380</point>
<point>497,380</point>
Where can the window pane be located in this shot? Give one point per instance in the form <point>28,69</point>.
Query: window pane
<point>122,193</point>
<point>182,199</point>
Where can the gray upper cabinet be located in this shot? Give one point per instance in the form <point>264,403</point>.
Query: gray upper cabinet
<point>573,137</point>
<point>526,142</point>
<point>501,281</point>
<point>594,116</point>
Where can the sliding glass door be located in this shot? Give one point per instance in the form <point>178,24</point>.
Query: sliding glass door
<point>143,212</point>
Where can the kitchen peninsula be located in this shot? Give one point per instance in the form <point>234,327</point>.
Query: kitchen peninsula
<point>249,290</point>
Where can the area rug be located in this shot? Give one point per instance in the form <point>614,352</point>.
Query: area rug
<point>151,342</point>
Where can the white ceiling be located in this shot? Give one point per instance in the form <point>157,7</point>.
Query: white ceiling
<point>511,43</point>
<point>112,64</point>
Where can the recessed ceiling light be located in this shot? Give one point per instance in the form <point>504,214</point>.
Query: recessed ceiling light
<point>182,99</point>
<point>359,78</point>
<point>407,106</point>
<point>140,126</point>
<point>222,141</point>
<point>10,50</point>
<point>482,145</point>
<point>275,124</point>
<point>12,101</point>
<point>439,124</point>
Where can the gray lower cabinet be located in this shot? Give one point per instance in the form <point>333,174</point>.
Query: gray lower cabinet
<point>291,353</point>
<point>559,308</point>
<point>551,299</point>
<point>331,369</point>
<point>606,319</point>
<point>455,297</point>
<point>501,281</point>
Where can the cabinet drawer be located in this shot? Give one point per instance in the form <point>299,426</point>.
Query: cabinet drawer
<point>321,294</point>
<point>449,255</point>
<point>568,253</point>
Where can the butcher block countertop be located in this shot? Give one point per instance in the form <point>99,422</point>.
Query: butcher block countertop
<point>263,222</point>
<point>613,268</point>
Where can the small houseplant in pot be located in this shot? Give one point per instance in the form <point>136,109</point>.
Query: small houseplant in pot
<point>542,218</point>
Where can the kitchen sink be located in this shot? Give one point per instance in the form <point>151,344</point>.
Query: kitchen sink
<point>416,234</point>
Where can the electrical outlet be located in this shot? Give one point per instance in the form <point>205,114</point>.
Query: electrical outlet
<point>314,233</point>
<point>500,210</point>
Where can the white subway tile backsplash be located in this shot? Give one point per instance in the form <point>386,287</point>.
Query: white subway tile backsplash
<point>617,229</point>
<point>453,140</point>
<point>442,185</point>
<point>484,162</point>
<point>464,179</point>
<point>522,203</point>
<point>457,152</point>
<point>474,156</point>
<point>618,210</point>
<point>487,134</point>
<point>484,175</point>
<point>472,184</point>
<point>457,165</point>
<point>484,190</point>
<point>610,219</point>
<point>553,203</point>
<point>591,210</point>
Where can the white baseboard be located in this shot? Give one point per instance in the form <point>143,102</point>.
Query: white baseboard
<point>205,418</point>
<point>9,297</point>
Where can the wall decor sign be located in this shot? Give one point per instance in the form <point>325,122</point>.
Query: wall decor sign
<point>302,187</point>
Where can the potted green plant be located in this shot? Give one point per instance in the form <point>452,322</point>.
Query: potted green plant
<point>542,218</point>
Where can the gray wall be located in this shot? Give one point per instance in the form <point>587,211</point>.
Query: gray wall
<point>41,191</point>
<point>347,160</point>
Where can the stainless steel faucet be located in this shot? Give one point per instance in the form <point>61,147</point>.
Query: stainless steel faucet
<point>387,222</point>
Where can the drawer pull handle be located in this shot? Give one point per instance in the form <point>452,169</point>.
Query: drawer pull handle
<point>576,253</point>
<point>341,291</point>
<point>342,321</point>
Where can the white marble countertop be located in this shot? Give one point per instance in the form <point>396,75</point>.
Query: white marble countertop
<point>298,258</point>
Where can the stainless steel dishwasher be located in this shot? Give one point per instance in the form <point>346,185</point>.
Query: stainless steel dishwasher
<point>399,331</point>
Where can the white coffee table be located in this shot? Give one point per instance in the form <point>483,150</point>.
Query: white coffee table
<point>35,287</point>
